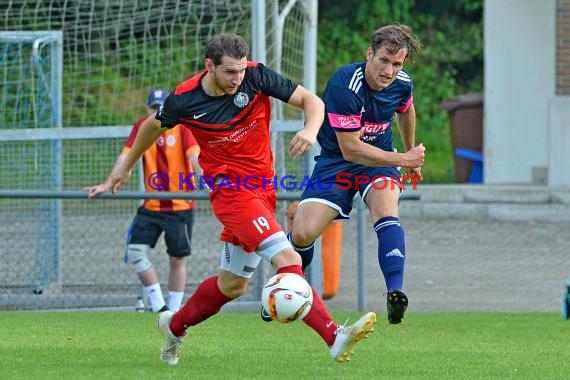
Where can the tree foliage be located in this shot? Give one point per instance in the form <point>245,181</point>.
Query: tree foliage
<point>450,63</point>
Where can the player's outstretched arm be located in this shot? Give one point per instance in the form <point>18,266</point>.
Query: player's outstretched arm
<point>359,152</point>
<point>94,191</point>
<point>148,133</point>
<point>314,110</point>
<point>407,126</point>
<point>198,177</point>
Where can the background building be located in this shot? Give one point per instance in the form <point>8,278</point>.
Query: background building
<point>526,91</point>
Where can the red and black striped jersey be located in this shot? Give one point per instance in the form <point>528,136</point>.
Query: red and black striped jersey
<point>166,166</point>
<point>231,130</point>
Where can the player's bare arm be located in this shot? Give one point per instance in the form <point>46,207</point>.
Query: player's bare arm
<point>94,191</point>
<point>407,126</point>
<point>148,133</point>
<point>314,110</point>
<point>193,158</point>
<point>354,150</point>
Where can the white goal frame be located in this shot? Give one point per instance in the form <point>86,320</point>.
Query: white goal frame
<point>264,13</point>
<point>50,210</point>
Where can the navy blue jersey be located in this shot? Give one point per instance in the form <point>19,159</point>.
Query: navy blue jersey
<point>351,105</point>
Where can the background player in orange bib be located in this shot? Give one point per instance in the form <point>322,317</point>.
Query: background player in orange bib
<point>173,153</point>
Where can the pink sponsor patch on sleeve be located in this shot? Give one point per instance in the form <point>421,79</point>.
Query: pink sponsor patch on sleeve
<point>344,121</point>
<point>406,106</point>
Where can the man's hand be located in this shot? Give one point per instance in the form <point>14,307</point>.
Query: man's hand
<point>93,191</point>
<point>301,143</point>
<point>414,175</point>
<point>414,158</point>
<point>118,177</point>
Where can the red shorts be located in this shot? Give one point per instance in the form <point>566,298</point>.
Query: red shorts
<point>248,216</point>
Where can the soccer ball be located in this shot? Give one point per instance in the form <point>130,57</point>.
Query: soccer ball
<point>287,297</point>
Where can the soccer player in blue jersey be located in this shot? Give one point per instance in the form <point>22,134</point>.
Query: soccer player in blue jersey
<point>358,155</point>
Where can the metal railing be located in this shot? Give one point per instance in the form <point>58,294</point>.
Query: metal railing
<point>315,274</point>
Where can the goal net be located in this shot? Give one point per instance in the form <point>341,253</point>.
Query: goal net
<point>31,98</point>
<point>112,53</point>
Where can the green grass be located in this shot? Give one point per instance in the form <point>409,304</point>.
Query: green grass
<point>125,345</point>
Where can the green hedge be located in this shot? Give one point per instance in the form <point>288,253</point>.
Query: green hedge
<point>450,63</point>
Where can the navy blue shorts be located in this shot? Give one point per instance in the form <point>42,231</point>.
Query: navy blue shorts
<point>335,182</point>
<point>176,225</point>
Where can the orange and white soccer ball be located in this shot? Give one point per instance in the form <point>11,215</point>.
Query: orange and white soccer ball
<point>287,297</point>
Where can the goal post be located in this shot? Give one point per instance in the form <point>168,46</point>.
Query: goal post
<point>31,98</point>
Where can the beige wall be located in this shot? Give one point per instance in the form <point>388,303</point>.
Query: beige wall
<point>519,90</point>
<point>559,142</point>
<point>563,47</point>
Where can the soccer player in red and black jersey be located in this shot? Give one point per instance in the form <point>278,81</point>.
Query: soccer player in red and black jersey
<point>227,107</point>
<point>173,157</point>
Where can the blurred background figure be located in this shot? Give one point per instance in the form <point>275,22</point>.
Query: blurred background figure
<point>566,301</point>
<point>176,151</point>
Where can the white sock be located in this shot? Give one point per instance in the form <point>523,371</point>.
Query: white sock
<point>155,295</point>
<point>175,300</point>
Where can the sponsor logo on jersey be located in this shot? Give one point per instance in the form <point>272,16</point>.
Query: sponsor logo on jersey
<point>199,115</point>
<point>235,136</point>
<point>374,128</point>
<point>371,131</point>
<point>344,121</point>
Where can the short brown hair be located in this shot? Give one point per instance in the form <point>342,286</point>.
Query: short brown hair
<point>231,45</point>
<point>395,37</point>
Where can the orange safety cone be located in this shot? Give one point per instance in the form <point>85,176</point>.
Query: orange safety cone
<point>331,244</point>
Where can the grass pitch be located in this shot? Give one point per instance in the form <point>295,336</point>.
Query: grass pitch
<point>125,345</point>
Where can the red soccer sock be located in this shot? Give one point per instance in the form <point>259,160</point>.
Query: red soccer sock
<point>318,318</point>
<point>206,301</point>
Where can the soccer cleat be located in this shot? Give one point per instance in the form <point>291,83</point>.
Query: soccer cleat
<point>348,336</point>
<point>397,304</point>
<point>171,348</point>
<point>163,309</point>
<point>265,315</point>
<point>140,307</point>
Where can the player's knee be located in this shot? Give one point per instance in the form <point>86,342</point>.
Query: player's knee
<point>232,286</point>
<point>302,237</point>
<point>137,257</point>
<point>177,261</point>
